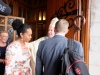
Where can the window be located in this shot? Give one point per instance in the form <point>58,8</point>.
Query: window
<point>44,15</point>
<point>40,16</point>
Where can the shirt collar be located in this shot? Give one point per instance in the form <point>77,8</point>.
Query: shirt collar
<point>59,34</point>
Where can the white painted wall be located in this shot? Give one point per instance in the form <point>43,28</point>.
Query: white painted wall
<point>94,56</point>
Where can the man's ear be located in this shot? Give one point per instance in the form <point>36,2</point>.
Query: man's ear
<point>67,31</point>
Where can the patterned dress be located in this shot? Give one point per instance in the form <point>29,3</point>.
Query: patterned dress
<point>17,59</point>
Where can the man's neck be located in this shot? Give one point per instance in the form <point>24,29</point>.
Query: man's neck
<point>60,34</point>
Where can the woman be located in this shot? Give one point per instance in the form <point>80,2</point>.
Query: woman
<point>3,45</point>
<point>17,54</point>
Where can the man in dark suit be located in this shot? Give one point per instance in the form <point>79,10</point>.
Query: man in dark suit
<point>50,51</point>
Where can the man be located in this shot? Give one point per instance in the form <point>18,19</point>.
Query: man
<point>33,46</point>
<point>51,50</point>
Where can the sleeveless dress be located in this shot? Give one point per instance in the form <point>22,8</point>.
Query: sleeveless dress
<point>2,56</point>
<point>17,59</point>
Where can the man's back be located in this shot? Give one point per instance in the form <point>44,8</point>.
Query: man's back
<point>50,55</point>
<point>51,50</point>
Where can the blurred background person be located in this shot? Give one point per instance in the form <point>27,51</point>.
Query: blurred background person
<point>17,53</point>
<point>3,45</point>
<point>33,46</point>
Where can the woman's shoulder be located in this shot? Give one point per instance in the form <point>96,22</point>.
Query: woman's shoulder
<point>13,44</point>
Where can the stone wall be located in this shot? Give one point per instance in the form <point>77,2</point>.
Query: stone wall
<point>94,56</point>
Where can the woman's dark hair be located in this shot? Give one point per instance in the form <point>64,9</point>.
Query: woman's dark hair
<point>19,26</point>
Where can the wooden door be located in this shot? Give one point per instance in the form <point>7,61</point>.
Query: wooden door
<point>72,11</point>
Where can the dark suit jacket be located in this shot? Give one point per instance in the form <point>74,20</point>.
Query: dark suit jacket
<point>49,54</point>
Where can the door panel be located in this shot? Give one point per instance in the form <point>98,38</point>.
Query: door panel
<point>71,10</point>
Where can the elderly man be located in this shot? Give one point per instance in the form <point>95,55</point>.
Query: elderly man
<point>33,46</point>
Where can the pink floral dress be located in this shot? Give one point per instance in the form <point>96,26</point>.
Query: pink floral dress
<point>17,60</point>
